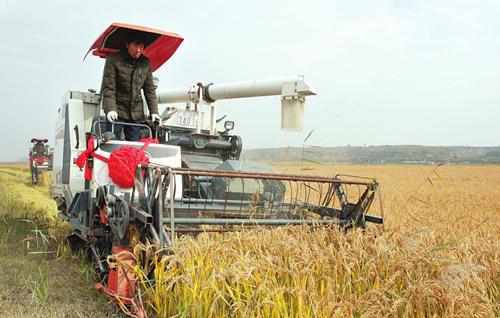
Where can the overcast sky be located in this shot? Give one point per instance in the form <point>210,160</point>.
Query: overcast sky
<point>387,72</point>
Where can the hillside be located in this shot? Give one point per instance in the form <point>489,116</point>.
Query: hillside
<point>375,154</point>
<point>379,154</point>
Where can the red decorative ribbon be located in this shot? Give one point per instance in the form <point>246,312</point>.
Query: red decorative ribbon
<point>122,163</point>
<point>83,158</point>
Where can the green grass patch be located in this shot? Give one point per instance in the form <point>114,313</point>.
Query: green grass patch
<point>39,276</point>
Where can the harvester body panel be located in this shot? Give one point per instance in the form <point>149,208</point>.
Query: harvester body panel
<point>74,119</point>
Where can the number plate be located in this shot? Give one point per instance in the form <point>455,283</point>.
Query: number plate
<point>187,118</point>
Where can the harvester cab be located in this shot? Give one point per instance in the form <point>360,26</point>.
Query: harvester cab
<point>40,157</point>
<point>187,171</point>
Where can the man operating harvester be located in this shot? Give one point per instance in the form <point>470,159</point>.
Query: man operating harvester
<point>125,74</point>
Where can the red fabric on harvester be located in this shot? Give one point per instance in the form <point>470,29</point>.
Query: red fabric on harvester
<point>104,219</point>
<point>83,158</point>
<point>149,140</point>
<point>123,163</point>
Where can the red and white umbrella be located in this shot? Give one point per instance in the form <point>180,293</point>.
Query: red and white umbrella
<point>159,45</point>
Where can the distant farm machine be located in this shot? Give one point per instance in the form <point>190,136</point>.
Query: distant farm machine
<point>193,178</point>
<point>40,157</point>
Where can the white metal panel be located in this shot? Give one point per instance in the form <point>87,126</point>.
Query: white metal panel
<point>101,171</point>
<point>173,120</point>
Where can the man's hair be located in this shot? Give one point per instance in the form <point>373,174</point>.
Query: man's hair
<point>135,36</point>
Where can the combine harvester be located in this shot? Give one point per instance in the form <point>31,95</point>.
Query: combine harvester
<point>40,158</point>
<point>193,180</point>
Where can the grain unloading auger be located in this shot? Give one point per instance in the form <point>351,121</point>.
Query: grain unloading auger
<point>194,179</point>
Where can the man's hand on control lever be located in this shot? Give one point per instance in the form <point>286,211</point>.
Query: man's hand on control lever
<point>112,116</point>
<point>156,117</point>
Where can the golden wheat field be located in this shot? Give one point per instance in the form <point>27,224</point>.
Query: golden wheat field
<point>438,257</point>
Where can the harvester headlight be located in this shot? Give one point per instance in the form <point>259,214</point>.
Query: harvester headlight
<point>229,125</point>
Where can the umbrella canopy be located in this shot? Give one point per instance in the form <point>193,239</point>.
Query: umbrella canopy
<point>159,45</point>
<point>38,139</point>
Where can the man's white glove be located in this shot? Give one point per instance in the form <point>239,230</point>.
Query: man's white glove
<point>112,116</point>
<point>155,117</point>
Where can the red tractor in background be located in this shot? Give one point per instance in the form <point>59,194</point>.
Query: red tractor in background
<point>40,158</point>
